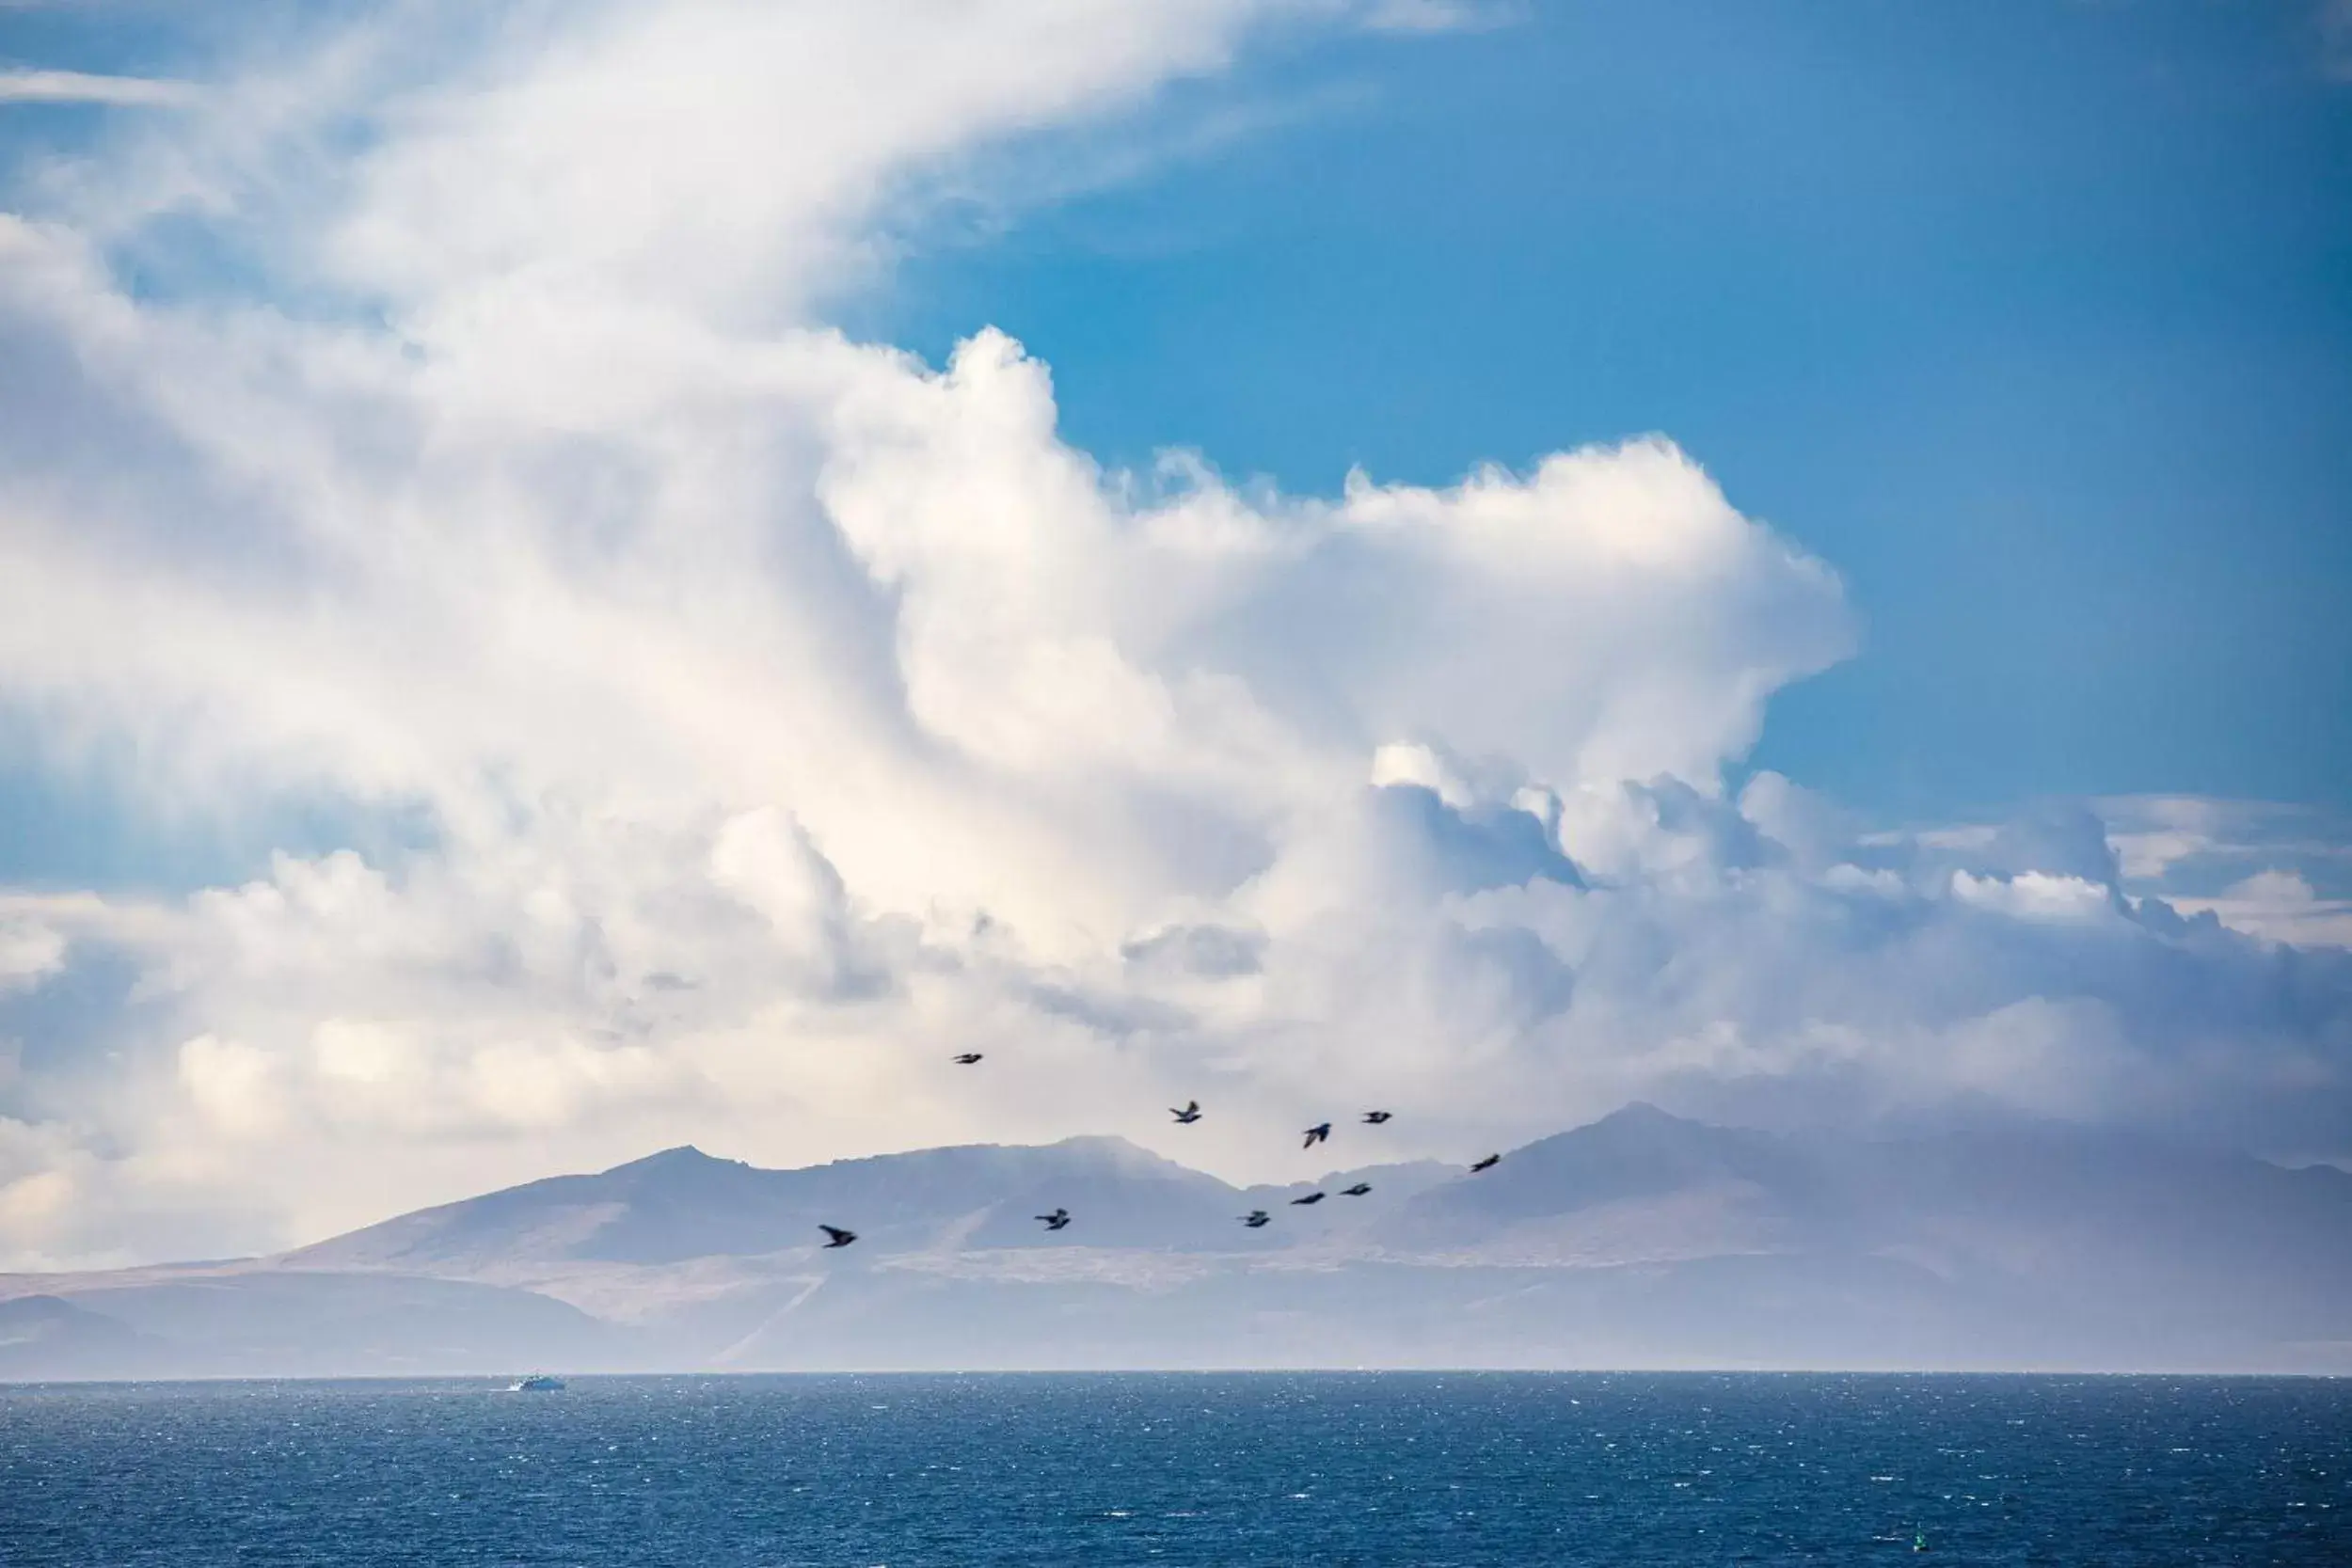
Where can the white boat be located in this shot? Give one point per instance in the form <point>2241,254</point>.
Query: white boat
<point>537,1382</point>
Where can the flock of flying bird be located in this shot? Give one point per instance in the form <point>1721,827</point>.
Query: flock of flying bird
<point>1256,1219</point>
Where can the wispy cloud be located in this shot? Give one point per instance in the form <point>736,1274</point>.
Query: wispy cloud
<point>74,87</point>
<point>1441,16</point>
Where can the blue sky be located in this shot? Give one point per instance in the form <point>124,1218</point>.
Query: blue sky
<point>2033,318</point>
<point>543,616</point>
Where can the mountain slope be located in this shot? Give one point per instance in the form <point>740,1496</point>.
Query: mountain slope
<point>683,1204</point>
<point>1641,1238</point>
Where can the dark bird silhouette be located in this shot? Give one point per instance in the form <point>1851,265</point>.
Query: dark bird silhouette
<point>1056,1220</point>
<point>1311,1198</point>
<point>840,1237</point>
<point>1490,1162</point>
<point>1190,1114</point>
<point>1357,1191</point>
<point>1316,1133</point>
<point>1376,1117</point>
<point>967,1058</point>
<point>1256,1218</point>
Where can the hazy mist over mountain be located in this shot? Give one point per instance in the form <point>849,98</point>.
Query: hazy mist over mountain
<point>1640,1240</point>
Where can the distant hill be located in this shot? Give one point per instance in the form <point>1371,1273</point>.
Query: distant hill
<point>1641,1239</point>
<point>683,1204</point>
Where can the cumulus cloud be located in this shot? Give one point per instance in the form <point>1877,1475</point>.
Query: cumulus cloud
<point>2279,905</point>
<point>2279,872</point>
<point>785,713</point>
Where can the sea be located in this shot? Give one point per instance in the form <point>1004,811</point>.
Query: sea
<point>1406,1469</point>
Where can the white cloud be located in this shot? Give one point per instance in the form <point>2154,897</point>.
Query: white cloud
<point>2279,906</point>
<point>233,1086</point>
<point>29,952</point>
<point>787,714</point>
<point>1438,16</point>
<point>2033,896</point>
<point>2283,873</point>
<point>74,87</point>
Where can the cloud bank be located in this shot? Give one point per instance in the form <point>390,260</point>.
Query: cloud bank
<point>769,715</point>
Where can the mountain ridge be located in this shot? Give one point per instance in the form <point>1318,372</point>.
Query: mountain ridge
<point>1640,1239</point>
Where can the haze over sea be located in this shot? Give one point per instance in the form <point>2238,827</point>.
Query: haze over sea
<point>1625,1468</point>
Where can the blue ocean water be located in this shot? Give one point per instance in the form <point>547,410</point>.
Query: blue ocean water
<point>1426,1470</point>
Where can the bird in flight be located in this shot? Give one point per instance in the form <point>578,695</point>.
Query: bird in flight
<point>967,1058</point>
<point>1357,1191</point>
<point>1316,1133</point>
<point>1190,1114</point>
<point>1056,1220</point>
<point>1490,1162</point>
<point>1311,1198</point>
<point>1256,1218</point>
<point>840,1237</point>
<point>1376,1117</point>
